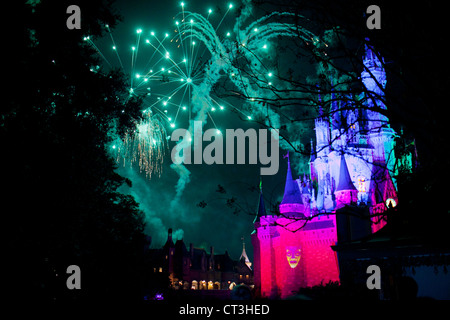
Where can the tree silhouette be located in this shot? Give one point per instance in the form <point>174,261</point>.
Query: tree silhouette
<point>60,200</point>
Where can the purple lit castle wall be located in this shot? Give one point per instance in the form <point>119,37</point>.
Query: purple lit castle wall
<point>352,164</point>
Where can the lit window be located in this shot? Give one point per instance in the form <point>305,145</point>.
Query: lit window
<point>361,184</point>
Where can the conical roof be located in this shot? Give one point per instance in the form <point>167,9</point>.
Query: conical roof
<point>291,190</point>
<point>261,212</point>
<point>345,182</point>
<point>244,256</point>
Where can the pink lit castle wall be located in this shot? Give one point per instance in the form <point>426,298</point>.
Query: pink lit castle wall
<point>352,164</point>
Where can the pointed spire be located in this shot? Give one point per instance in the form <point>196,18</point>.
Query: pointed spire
<point>261,212</point>
<point>169,242</point>
<point>320,101</point>
<point>370,59</point>
<point>345,182</point>
<point>244,255</point>
<point>313,152</point>
<point>291,189</point>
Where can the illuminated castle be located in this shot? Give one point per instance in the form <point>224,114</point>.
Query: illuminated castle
<point>352,164</point>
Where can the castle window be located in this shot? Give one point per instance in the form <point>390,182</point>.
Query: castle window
<point>361,184</point>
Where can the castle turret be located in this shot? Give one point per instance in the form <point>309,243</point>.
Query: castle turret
<point>346,192</point>
<point>261,211</point>
<point>292,204</point>
<point>322,128</point>
<point>373,75</point>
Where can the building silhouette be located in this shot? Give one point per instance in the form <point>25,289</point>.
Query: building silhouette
<point>197,269</point>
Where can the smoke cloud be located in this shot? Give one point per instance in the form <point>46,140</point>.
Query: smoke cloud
<point>183,180</point>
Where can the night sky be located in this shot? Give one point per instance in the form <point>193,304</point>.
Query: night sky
<point>80,100</point>
<point>215,224</point>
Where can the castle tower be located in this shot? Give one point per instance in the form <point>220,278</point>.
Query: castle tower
<point>263,238</point>
<point>346,192</point>
<point>322,128</point>
<point>373,75</point>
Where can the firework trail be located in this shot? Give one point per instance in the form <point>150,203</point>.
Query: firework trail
<point>185,81</point>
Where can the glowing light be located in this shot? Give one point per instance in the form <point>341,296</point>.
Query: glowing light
<point>145,146</point>
<point>391,203</point>
<point>194,36</point>
<point>218,131</point>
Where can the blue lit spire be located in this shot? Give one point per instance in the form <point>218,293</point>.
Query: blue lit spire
<point>291,190</point>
